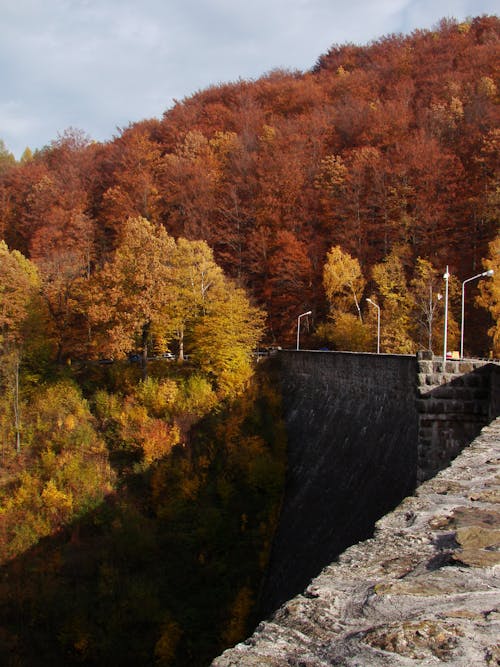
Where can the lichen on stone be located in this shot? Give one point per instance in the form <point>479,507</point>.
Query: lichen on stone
<point>418,640</point>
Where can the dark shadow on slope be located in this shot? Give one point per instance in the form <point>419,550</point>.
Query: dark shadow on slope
<point>167,569</point>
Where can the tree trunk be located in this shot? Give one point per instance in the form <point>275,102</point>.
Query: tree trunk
<point>144,357</point>
<point>181,345</point>
<point>17,421</point>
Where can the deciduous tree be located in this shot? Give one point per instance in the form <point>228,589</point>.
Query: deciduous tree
<point>343,281</point>
<point>225,338</point>
<point>7,159</point>
<point>396,304</point>
<point>427,288</point>
<point>19,286</point>
<point>193,279</point>
<point>131,294</point>
<point>490,292</point>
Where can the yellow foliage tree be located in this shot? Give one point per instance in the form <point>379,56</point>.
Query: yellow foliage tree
<point>489,296</point>
<point>19,286</point>
<point>132,292</point>
<point>396,304</point>
<point>68,472</point>
<point>347,333</point>
<point>193,279</point>
<point>21,316</point>
<point>343,280</point>
<point>225,337</point>
<point>158,396</point>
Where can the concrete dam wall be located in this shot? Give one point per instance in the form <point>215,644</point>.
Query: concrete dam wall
<point>352,425</point>
<point>423,591</point>
<point>363,431</point>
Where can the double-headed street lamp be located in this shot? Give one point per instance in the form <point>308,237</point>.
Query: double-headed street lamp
<point>309,312</point>
<point>378,323</point>
<point>484,274</point>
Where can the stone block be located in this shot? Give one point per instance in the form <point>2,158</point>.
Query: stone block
<point>466,367</point>
<point>436,406</point>
<point>481,395</point>
<point>434,379</point>
<point>425,367</point>
<point>454,405</point>
<point>421,379</point>
<point>423,404</point>
<point>469,407</point>
<point>446,391</point>
<point>473,380</point>
<point>447,378</point>
<point>451,367</point>
<point>481,409</point>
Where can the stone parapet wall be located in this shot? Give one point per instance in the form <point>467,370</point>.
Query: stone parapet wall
<point>495,393</point>
<point>455,400</point>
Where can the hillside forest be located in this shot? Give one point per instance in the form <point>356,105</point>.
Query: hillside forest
<point>142,449</point>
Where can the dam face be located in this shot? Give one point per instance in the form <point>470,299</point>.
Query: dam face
<point>352,424</point>
<point>363,431</point>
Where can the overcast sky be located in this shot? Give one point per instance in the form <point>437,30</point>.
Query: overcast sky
<point>98,65</point>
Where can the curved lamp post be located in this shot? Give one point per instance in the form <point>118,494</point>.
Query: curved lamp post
<point>479,275</point>
<point>309,312</point>
<point>378,323</point>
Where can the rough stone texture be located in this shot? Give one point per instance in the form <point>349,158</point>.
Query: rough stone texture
<point>423,591</point>
<point>455,400</point>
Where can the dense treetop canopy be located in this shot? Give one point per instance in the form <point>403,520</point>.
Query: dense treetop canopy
<point>392,144</point>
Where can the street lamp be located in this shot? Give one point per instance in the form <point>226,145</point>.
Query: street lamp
<point>446,277</point>
<point>490,272</point>
<point>378,323</point>
<point>309,312</point>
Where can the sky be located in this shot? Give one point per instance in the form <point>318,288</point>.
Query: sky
<point>99,65</point>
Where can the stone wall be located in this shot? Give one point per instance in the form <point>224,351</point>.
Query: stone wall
<point>456,399</point>
<point>363,430</point>
<point>352,427</point>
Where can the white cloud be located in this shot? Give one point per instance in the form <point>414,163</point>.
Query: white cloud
<point>99,64</point>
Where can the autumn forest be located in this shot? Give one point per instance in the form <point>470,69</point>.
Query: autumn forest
<point>142,451</point>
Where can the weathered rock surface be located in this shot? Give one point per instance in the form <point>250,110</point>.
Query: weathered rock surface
<point>423,591</point>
